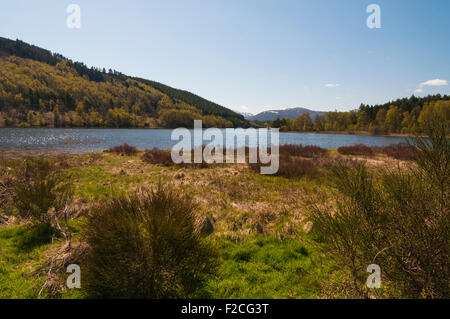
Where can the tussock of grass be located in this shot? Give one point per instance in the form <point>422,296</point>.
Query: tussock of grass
<point>28,238</point>
<point>123,149</point>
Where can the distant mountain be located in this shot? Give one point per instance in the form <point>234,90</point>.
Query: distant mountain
<point>246,115</point>
<point>291,113</point>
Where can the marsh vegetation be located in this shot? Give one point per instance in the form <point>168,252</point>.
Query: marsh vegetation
<point>140,226</point>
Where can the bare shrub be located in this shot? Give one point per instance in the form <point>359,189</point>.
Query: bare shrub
<point>157,156</point>
<point>163,157</point>
<point>146,246</point>
<point>358,149</point>
<point>401,151</point>
<point>289,166</point>
<point>304,151</point>
<point>202,164</point>
<point>123,149</point>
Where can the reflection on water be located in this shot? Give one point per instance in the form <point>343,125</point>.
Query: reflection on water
<point>71,140</point>
<point>77,141</point>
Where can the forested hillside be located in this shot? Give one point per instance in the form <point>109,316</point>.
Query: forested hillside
<point>38,88</point>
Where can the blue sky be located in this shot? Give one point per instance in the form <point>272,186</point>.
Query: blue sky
<point>254,55</point>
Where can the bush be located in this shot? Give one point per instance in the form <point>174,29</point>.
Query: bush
<point>146,246</point>
<point>123,149</point>
<point>359,149</point>
<point>399,151</point>
<point>163,157</point>
<point>289,167</point>
<point>397,219</point>
<point>6,180</point>
<point>157,156</point>
<point>304,151</point>
<point>39,187</point>
<point>202,164</point>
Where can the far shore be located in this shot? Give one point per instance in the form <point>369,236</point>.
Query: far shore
<point>362,133</point>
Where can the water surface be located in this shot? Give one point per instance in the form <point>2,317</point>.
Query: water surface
<point>78,141</point>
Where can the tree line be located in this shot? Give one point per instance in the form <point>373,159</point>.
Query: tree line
<point>400,116</point>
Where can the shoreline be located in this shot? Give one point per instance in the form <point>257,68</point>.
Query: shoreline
<point>357,133</point>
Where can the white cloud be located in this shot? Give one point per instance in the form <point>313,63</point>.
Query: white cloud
<point>435,82</point>
<point>243,108</point>
<point>332,85</point>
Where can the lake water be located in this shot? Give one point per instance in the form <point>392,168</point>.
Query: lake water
<point>77,141</point>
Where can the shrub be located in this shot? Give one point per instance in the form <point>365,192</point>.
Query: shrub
<point>399,151</point>
<point>146,246</point>
<point>202,164</point>
<point>304,151</point>
<point>39,187</point>
<point>123,149</point>
<point>295,167</point>
<point>6,180</point>
<point>397,219</point>
<point>157,156</point>
<point>289,167</point>
<point>163,157</point>
<point>359,149</point>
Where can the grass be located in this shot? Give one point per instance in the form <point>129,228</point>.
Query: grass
<point>16,263</point>
<point>258,225</point>
<point>267,267</point>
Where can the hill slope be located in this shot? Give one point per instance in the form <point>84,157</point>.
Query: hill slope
<point>39,88</point>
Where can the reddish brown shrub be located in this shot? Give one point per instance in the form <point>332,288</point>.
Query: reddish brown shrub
<point>304,151</point>
<point>123,149</point>
<point>157,156</point>
<point>399,151</point>
<point>289,167</point>
<point>163,157</point>
<point>359,149</point>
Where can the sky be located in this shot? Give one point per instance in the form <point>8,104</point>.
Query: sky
<point>253,55</point>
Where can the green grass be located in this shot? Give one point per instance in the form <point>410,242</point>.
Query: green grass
<point>252,266</point>
<point>17,260</point>
<point>267,267</point>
